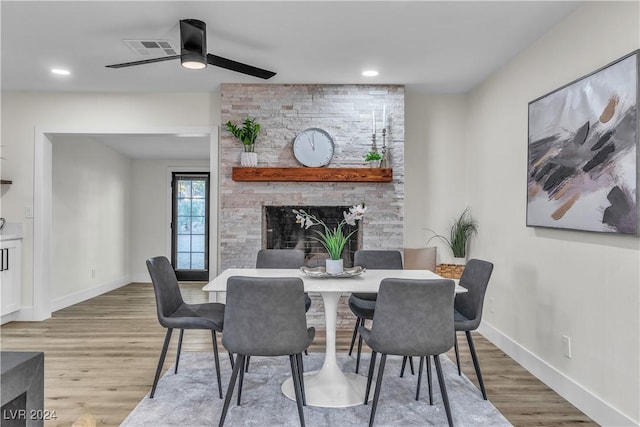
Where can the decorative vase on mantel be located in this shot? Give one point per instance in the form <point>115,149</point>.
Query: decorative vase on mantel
<point>334,266</point>
<point>248,158</point>
<point>374,163</point>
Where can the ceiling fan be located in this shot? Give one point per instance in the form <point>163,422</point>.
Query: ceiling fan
<point>193,53</point>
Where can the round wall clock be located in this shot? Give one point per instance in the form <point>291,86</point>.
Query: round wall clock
<point>313,147</point>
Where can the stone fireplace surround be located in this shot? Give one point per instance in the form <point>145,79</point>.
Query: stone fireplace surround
<point>345,111</point>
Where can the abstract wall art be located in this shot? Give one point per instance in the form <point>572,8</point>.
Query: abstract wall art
<point>582,152</point>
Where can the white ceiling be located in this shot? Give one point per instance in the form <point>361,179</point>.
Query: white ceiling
<point>429,46</point>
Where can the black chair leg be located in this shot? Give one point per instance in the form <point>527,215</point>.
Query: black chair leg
<point>240,381</point>
<point>455,346</point>
<point>231,360</point>
<point>372,365</point>
<point>476,365</point>
<point>246,367</point>
<point>429,380</point>
<point>163,354</point>
<point>355,334</point>
<point>419,377</point>
<point>179,349</point>
<point>411,365</point>
<point>404,364</point>
<point>359,353</point>
<point>232,382</point>
<point>443,389</point>
<point>376,394</point>
<point>217,360</point>
<point>301,376</point>
<point>296,387</point>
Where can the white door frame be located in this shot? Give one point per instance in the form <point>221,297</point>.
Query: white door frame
<point>42,204</point>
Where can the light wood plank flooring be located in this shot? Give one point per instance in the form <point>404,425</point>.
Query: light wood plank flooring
<point>101,354</point>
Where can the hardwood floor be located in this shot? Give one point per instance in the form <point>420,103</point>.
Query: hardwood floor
<point>101,354</point>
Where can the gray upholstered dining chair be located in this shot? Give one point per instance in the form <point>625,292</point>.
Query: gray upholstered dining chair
<point>362,305</point>
<point>425,328</point>
<point>265,316</point>
<point>282,258</point>
<point>174,313</point>
<point>468,308</point>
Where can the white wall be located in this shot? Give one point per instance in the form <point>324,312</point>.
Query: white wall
<point>549,283</point>
<point>24,112</point>
<point>149,214</point>
<point>90,204</point>
<point>435,172</point>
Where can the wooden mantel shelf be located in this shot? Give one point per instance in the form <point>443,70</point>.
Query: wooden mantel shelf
<point>313,174</point>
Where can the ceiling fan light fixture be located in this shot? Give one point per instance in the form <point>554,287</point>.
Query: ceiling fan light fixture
<point>193,61</point>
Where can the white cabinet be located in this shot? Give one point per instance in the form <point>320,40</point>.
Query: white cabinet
<point>10,275</point>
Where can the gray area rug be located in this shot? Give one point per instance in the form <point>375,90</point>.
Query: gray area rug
<point>190,398</point>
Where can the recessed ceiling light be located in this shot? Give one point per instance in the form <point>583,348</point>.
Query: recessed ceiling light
<point>60,71</point>
<point>370,73</point>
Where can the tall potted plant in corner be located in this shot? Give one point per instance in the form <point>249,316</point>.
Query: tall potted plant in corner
<point>462,229</point>
<point>247,135</point>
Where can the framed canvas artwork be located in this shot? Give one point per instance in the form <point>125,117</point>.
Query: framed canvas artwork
<point>582,152</point>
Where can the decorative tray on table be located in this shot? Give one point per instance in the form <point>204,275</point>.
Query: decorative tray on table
<point>322,272</point>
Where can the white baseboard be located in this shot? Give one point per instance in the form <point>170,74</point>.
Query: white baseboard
<point>594,407</point>
<point>25,314</point>
<point>85,294</point>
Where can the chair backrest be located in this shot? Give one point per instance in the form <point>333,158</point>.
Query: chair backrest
<point>413,317</point>
<point>378,259</point>
<point>475,278</point>
<point>420,258</point>
<point>280,258</point>
<point>265,316</point>
<point>165,287</point>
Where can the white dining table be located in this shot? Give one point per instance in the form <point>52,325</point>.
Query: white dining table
<point>328,387</point>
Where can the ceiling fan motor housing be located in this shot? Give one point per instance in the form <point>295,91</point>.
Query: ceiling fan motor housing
<point>193,43</point>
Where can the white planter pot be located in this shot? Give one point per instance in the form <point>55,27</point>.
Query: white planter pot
<point>459,260</point>
<point>248,160</point>
<point>374,163</point>
<point>334,266</point>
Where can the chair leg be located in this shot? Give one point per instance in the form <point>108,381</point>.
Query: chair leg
<point>404,364</point>
<point>376,394</point>
<point>231,360</point>
<point>443,389</point>
<point>179,349</point>
<point>232,382</point>
<point>246,367</point>
<point>163,354</point>
<point>429,380</point>
<point>372,365</point>
<point>301,376</point>
<point>355,334</point>
<point>455,346</point>
<point>476,365</point>
<point>240,381</point>
<point>296,387</point>
<point>411,365</point>
<point>359,353</point>
<point>217,360</point>
<point>419,377</point>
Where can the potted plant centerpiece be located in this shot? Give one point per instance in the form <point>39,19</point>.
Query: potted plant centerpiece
<point>333,239</point>
<point>247,135</point>
<point>374,158</point>
<point>462,229</point>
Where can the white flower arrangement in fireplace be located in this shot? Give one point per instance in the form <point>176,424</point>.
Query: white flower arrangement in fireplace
<point>334,239</point>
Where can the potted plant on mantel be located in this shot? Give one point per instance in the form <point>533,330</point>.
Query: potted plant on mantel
<point>374,158</point>
<point>463,228</point>
<point>247,135</point>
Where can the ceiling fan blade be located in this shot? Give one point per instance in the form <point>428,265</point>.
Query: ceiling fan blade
<point>218,61</point>
<point>144,61</point>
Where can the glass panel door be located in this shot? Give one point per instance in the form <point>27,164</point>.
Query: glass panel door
<point>190,226</point>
